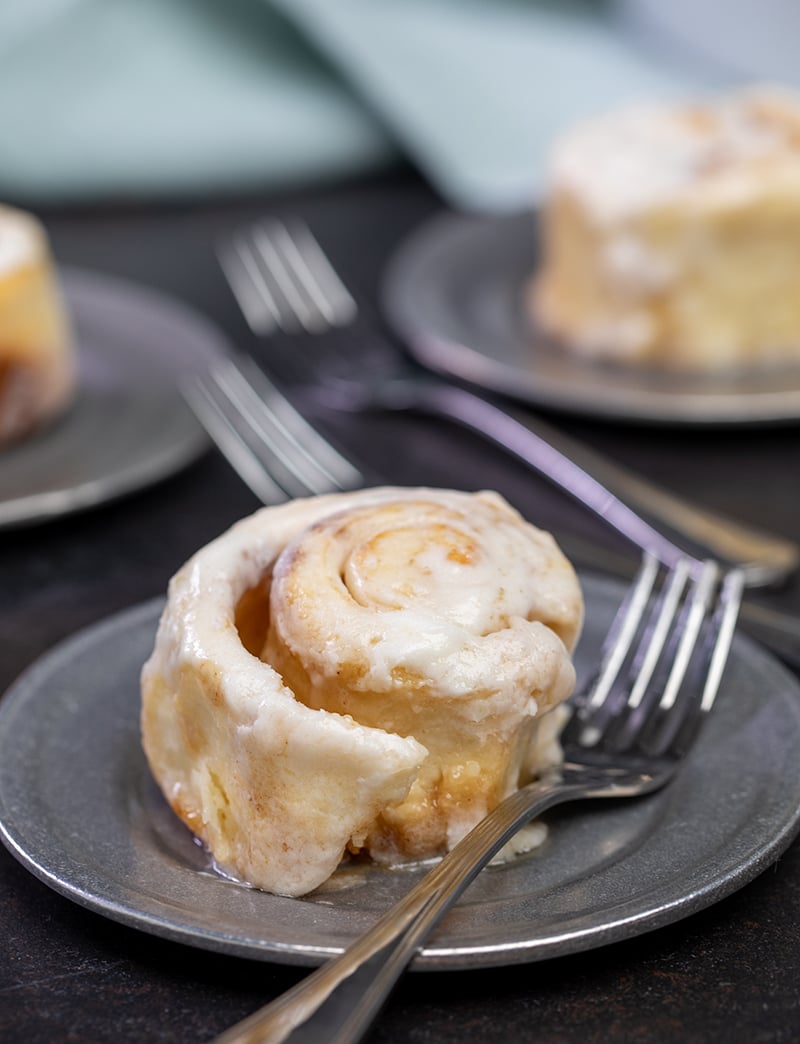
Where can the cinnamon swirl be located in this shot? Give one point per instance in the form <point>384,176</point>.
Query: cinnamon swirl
<point>365,673</point>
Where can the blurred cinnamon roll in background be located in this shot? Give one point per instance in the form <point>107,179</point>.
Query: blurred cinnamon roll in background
<point>37,359</point>
<point>670,235</point>
<point>363,673</point>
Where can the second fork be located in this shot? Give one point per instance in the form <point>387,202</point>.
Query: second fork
<point>285,283</point>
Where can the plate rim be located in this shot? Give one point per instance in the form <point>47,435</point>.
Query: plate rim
<point>436,956</point>
<point>449,357</point>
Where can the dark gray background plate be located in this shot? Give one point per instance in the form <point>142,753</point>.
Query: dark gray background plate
<point>78,808</point>
<point>454,293</point>
<point>129,426</point>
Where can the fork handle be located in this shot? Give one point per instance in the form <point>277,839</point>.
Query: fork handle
<point>338,1002</point>
<point>604,487</point>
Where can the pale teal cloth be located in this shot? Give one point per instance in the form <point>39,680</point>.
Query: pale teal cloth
<point>143,98</point>
<point>477,89</point>
<point>164,98</point>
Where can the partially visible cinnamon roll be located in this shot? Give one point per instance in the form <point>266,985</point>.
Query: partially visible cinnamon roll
<point>671,235</point>
<point>37,357</point>
<point>361,672</point>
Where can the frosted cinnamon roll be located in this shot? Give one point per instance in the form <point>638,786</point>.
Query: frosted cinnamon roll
<point>364,673</point>
<point>37,357</point>
<point>671,235</point>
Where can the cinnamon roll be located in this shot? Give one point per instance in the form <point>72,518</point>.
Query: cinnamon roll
<point>37,359</point>
<point>671,235</point>
<point>363,673</point>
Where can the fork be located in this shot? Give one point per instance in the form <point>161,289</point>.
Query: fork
<point>279,455</point>
<point>629,731</point>
<point>284,283</point>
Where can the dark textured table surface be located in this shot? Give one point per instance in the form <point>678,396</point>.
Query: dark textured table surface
<point>730,972</point>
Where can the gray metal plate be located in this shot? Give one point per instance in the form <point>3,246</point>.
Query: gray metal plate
<point>455,290</point>
<point>79,808</point>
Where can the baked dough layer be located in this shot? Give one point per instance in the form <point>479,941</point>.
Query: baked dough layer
<point>363,672</point>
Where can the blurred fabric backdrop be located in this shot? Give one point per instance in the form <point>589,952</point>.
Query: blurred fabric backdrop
<point>161,99</point>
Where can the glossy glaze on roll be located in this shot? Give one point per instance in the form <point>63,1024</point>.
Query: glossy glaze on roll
<point>365,673</point>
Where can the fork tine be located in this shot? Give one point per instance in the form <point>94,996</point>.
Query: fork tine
<point>658,637</point>
<point>216,421</point>
<point>720,636</point>
<point>260,426</point>
<point>255,429</point>
<point>660,669</point>
<point>264,285</point>
<point>316,272</point>
<point>592,704</point>
<point>249,287</point>
<point>282,279</point>
<point>295,307</point>
<point>673,653</point>
<point>298,444</point>
<point>272,447</point>
<point>683,689</point>
<point>723,625</point>
<point>696,612</point>
<point>624,628</point>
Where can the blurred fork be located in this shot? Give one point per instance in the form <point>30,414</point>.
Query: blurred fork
<point>284,283</point>
<point>279,455</point>
<point>629,732</point>
<point>268,442</point>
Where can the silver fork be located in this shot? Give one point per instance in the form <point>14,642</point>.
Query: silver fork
<point>630,730</point>
<point>284,283</point>
<point>268,442</point>
<point>280,455</point>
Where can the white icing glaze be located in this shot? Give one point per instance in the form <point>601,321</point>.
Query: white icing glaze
<point>447,587</point>
<point>635,265</point>
<point>722,152</point>
<point>20,240</point>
